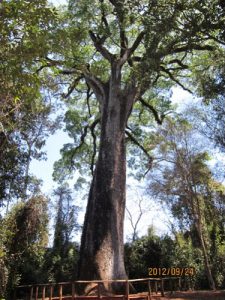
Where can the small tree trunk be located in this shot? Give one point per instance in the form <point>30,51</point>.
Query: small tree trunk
<point>206,259</point>
<point>197,213</point>
<point>26,179</point>
<point>102,253</point>
<point>200,230</point>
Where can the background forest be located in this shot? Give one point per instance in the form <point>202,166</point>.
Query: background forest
<point>176,150</point>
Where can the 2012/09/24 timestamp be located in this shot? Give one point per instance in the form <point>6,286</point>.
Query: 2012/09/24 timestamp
<point>173,271</point>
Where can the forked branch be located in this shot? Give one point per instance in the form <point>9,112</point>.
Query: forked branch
<point>95,84</point>
<point>128,53</point>
<point>72,86</point>
<point>158,119</point>
<point>171,76</point>
<point>82,142</point>
<point>98,43</point>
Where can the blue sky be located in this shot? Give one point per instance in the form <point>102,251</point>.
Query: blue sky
<point>58,2</point>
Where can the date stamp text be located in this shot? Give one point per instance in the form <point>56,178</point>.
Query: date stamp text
<point>173,271</point>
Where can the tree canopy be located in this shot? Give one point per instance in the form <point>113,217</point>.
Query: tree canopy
<point>24,99</point>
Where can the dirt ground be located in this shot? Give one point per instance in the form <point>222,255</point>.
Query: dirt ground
<point>195,295</point>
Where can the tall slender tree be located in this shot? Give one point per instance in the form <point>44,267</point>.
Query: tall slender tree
<point>64,251</point>
<point>184,181</point>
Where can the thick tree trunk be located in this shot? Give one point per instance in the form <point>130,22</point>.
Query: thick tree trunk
<point>102,253</point>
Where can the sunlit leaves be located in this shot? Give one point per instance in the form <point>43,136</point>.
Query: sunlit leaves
<point>24,236</point>
<point>24,107</point>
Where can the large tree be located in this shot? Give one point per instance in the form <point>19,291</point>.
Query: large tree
<point>124,55</point>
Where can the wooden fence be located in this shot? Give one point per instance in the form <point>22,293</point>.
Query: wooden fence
<point>69,290</point>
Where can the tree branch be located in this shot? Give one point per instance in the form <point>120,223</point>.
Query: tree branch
<point>72,87</point>
<point>96,84</point>
<point>127,54</point>
<point>123,42</point>
<point>50,63</point>
<point>82,141</point>
<point>98,43</point>
<point>137,42</point>
<point>136,142</point>
<point>119,8</point>
<point>179,62</point>
<point>192,47</point>
<point>92,127</point>
<point>134,224</point>
<point>104,19</point>
<point>174,79</point>
<point>89,94</point>
<point>68,72</point>
<point>216,39</point>
<point>116,3</point>
<point>153,110</point>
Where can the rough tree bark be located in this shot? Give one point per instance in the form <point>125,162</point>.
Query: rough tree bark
<point>102,239</point>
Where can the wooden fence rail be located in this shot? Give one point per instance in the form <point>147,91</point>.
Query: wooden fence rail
<point>68,290</point>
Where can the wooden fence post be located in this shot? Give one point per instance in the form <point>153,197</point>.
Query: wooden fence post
<point>73,290</point>
<point>43,292</point>
<point>60,292</point>
<point>51,292</point>
<point>162,287</point>
<point>127,289</point>
<point>179,284</point>
<point>156,287</point>
<point>31,293</point>
<point>99,292</point>
<point>149,290</point>
<point>36,293</point>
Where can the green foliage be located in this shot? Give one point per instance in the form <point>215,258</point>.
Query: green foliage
<point>152,251</point>
<point>61,260</point>
<point>24,110</point>
<point>23,241</point>
<point>187,255</point>
<point>209,75</point>
<point>210,119</point>
<point>19,147</point>
<point>148,251</point>
<point>58,268</point>
<point>185,183</point>
<point>171,34</point>
<point>25,29</point>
